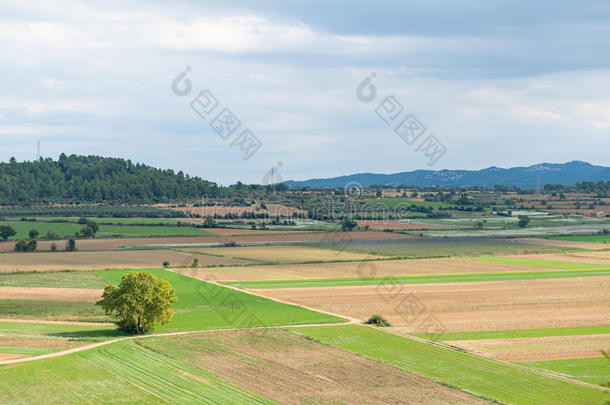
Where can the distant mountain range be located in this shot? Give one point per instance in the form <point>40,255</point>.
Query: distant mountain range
<point>525,177</point>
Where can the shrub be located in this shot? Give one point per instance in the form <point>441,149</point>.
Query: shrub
<point>51,235</point>
<point>195,262</point>
<point>53,247</point>
<point>378,320</point>
<point>166,264</point>
<point>6,231</point>
<point>23,246</point>
<point>34,234</point>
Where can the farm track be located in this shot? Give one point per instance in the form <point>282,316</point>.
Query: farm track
<point>350,322</point>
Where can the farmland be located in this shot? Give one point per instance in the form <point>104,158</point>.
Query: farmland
<point>491,314</point>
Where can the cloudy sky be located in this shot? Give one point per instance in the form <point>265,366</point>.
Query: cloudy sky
<point>498,83</point>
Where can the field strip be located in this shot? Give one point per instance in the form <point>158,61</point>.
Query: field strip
<point>417,279</point>
<point>56,322</point>
<point>554,264</point>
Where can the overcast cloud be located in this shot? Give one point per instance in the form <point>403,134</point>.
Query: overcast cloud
<point>499,83</point>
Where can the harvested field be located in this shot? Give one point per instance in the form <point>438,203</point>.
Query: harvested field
<point>538,348</point>
<point>567,243</point>
<point>50,294</point>
<point>269,236</point>
<point>398,225</point>
<point>459,307</point>
<point>577,257</point>
<point>365,269</point>
<point>283,254</point>
<point>43,261</point>
<point>40,343</point>
<point>289,369</point>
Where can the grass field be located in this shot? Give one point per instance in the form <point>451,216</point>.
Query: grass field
<point>551,264</point>
<point>440,278</point>
<point>206,306</point>
<point>53,310</point>
<point>77,332</point>
<point>404,203</point>
<point>59,279</point>
<point>586,238</point>
<point>474,374</point>
<point>524,333</point>
<point>118,373</point>
<point>64,229</point>
<point>594,371</point>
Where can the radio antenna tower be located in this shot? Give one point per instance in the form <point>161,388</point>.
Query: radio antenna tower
<point>38,150</point>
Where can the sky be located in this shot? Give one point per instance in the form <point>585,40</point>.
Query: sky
<point>496,83</point>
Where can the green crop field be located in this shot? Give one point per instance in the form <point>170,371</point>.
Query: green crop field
<point>404,203</point>
<point>524,333</point>
<point>586,238</point>
<point>541,263</point>
<point>203,306</point>
<point>85,333</point>
<point>53,310</point>
<point>23,228</point>
<point>58,279</point>
<point>481,376</point>
<point>594,371</point>
<point>423,279</point>
<point>122,372</point>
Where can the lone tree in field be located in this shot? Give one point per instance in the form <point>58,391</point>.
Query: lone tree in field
<point>6,231</point>
<point>140,302</point>
<point>524,220</point>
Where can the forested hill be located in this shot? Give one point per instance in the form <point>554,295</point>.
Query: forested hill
<point>95,179</point>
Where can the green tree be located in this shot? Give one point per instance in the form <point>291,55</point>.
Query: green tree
<point>524,220</point>
<point>70,245</point>
<point>90,229</point>
<point>34,234</point>
<point>348,225</point>
<point>6,231</point>
<point>209,222</point>
<point>140,302</point>
<point>23,246</point>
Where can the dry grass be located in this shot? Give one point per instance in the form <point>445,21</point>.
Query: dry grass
<point>538,348</point>
<point>498,305</point>
<point>46,261</point>
<point>354,269</point>
<point>283,254</point>
<point>50,294</point>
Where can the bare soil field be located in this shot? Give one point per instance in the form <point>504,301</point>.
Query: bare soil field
<point>50,294</point>
<point>10,356</point>
<point>45,261</point>
<point>269,236</point>
<point>290,369</point>
<point>235,231</point>
<point>352,269</point>
<point>398,225</point>
<point>538,348</point>
<point>459,307</point>
<point>566,243</point>
<point>272,210</point>
<point>576,257</point>
<point>283,254</point>
<point>40,343</point>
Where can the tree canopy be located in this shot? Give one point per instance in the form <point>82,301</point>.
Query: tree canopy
<point>140,302</point>
<point>95,179</point>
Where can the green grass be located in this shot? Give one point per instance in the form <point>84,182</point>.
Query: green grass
<point>481,376</point>
<point>444,249</point>
<point>122,372</point>
<point>541,263</point>
<point>420,279</point>
<point>30,351</point>
<point>594,371</point>
<point>64,229</point>
<point>52,310</point>
<point>85,333</point>
<point>23,228</point>
<point>61,279</point>
<point>403,202</point>
<point>524,333</point>
<point>203,306</point>
<point>587,238</point>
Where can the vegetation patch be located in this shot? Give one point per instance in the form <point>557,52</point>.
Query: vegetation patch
<point>594,371</point>
<point>478,375</point>
<point>57,279</point>
<point>524,333</point>
<point>203,306</point>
